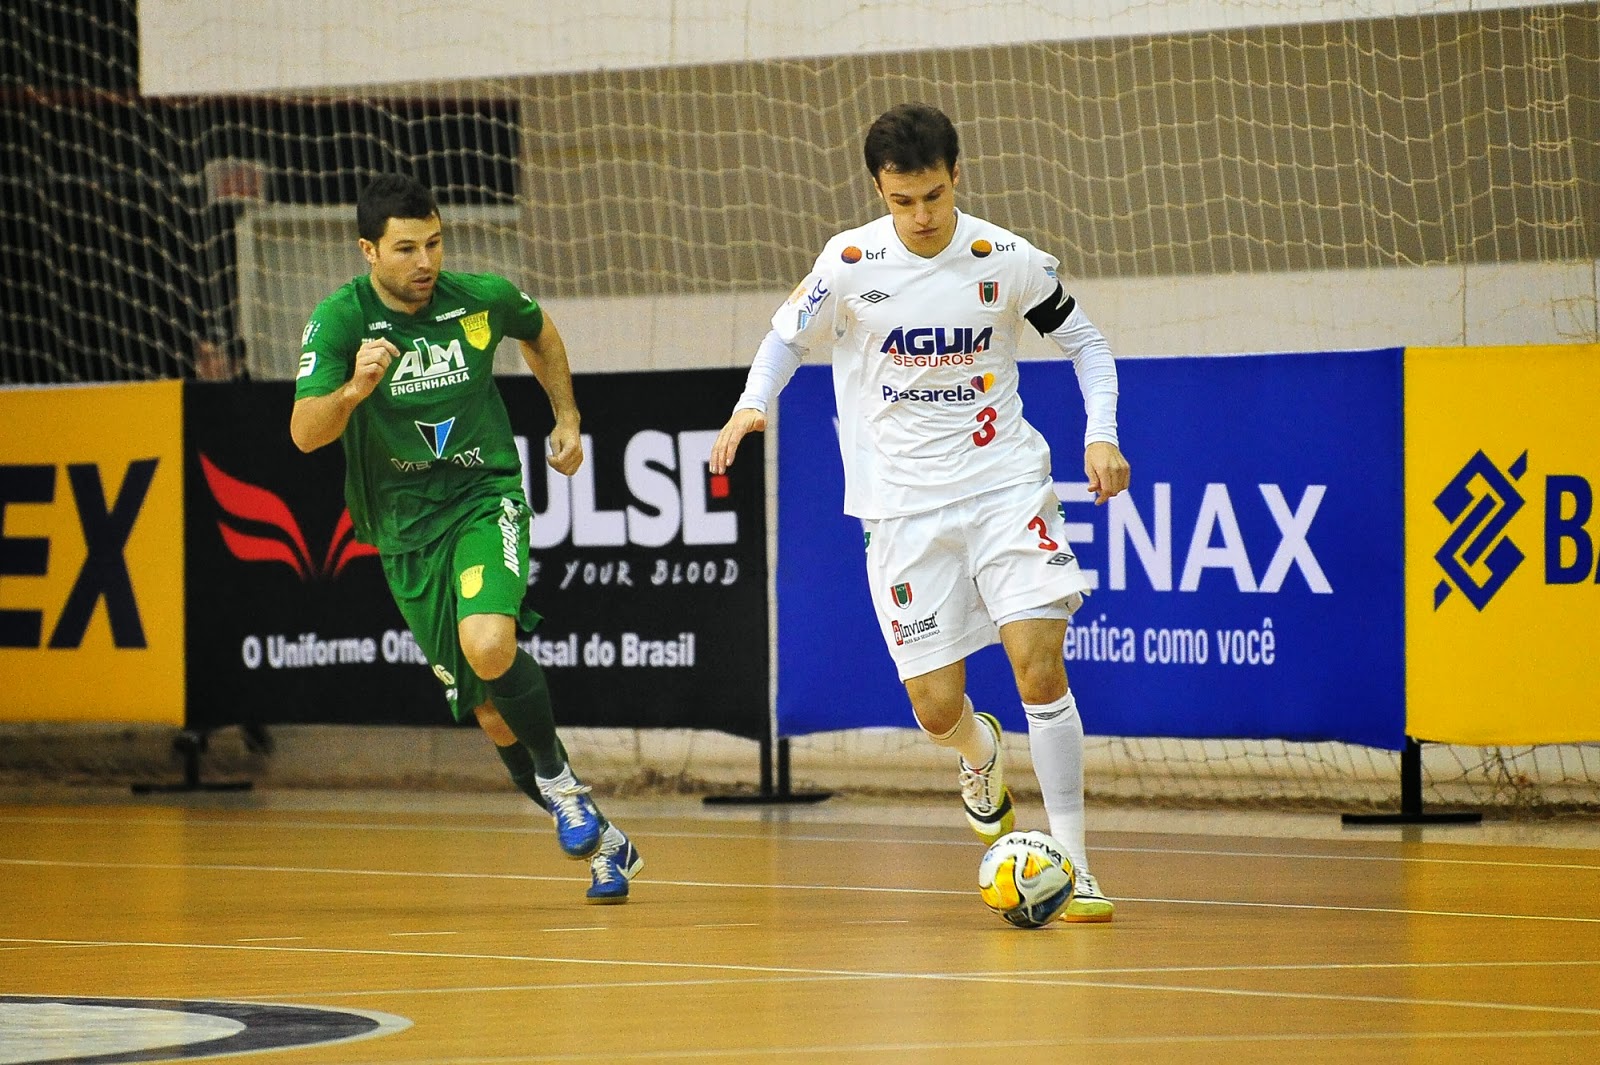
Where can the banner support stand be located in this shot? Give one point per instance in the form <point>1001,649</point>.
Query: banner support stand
<point>774,766</point>
<point>191,744</point>
<point>1411,812</point>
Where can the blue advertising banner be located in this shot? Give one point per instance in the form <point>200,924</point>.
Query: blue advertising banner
<point>1248,586</point>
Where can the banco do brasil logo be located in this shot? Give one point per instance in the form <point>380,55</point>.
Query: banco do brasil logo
<point>1484,504</point>
<point>1478,557</point>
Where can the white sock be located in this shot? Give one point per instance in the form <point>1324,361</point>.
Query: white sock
<point>973,741</point>
<point>561,779</point>
<point>1055,736</point>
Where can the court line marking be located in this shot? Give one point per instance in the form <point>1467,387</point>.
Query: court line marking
<point>540,830</point>
<point>992,1044</point>
<point>425,933</point>
<point>856,974</point>
<point>1001,975</point>
<point>863,888</point>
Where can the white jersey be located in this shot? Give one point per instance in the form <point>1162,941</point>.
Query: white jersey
<point>924,361</point>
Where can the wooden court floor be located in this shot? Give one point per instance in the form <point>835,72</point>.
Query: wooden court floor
<point>453,931</point>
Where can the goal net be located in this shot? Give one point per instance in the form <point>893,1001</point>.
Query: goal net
<point>177,194</point>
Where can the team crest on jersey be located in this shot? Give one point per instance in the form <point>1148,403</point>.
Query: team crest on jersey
<point>436,434</point>
<point>988,293</point>
<point>471,581</point>
<point>476,327</point>
<point>902,594</point>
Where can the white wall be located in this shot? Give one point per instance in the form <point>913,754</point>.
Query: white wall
<point>202,47</point>
<point>1532,303</point>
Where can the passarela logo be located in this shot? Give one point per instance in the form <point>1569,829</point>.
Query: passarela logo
<point>258,526</point>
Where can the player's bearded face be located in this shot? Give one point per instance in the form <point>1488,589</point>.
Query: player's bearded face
<point>923,205</point>
<point>406,260</point>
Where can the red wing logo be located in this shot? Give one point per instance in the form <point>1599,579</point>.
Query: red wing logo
<point>286,543</point>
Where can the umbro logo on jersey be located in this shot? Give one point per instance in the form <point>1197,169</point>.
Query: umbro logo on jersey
<point>874,296</point>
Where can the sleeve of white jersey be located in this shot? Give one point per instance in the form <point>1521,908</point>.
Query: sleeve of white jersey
<point>802,322</point>
<point>1056,315</point>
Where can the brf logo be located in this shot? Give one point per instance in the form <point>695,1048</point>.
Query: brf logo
<point>1478,557</point>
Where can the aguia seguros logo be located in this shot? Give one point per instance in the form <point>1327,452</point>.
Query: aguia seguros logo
<point>1481,552</point>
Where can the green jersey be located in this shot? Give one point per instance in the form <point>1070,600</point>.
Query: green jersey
<point>434,435</point>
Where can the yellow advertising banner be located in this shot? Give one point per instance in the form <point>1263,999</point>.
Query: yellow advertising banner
<point>1502,596</point>
<point>91,553</point>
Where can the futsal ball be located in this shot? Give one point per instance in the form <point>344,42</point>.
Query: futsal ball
<point>1026,878</point>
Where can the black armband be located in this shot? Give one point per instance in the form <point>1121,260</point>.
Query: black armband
<point>1048,316</point>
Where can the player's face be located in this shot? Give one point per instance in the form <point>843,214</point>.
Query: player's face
<point>923,204</point>
<point>406,260</point>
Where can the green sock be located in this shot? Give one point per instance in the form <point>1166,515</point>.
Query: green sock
<point>523,699</point>
<point>519,763</point>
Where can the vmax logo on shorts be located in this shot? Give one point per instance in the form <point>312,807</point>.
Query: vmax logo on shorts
<point>1480,502</point>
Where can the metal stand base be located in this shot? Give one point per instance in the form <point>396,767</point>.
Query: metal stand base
<point>768,795</point>
<point>1411,812</point>
<point>191,745</point>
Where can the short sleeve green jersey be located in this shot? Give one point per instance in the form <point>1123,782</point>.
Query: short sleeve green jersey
<point>434,435</point>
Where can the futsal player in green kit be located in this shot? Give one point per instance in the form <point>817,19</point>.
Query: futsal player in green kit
<point>398,364</point>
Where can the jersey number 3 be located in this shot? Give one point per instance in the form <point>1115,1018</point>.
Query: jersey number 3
<point>985,432</point>
<point>1045,543</point>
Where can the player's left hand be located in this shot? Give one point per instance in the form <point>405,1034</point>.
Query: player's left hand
<point>1107,470</point>
<point>566,449</point>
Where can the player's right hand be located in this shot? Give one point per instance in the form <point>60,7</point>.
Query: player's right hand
<point>745,420</point>
<point>372,362</point>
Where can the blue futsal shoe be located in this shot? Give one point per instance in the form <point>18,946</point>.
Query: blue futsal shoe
<point>613,865</point>
<point>577,818</point>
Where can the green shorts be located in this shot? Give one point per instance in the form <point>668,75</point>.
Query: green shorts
<point>480,566</point>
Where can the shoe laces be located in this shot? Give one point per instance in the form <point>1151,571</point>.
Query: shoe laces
<point>1087,888</point>
<point>566,801</point>
<point>604,867</point>
<point>976,786</point>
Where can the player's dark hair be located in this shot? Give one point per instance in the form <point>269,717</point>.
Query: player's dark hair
<point>910,138</point>
<point>392,196</point>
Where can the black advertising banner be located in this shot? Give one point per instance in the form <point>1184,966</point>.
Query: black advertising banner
<point>650,573</point>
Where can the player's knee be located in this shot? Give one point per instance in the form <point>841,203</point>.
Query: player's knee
<point>1040,681</point>
<point>488,657</point>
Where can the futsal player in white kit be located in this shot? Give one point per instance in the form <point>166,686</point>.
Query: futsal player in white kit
<point>923,309</point>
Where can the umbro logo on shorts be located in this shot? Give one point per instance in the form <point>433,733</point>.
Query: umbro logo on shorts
<point>874,296</point>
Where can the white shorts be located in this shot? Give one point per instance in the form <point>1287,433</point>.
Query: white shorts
<point>943,582</point>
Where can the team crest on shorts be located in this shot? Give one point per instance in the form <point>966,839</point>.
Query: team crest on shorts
<point>471,581</point>
<point>902,594</point>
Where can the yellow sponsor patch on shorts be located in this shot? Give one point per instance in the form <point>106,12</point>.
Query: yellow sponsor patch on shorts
<point>471,581</point>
